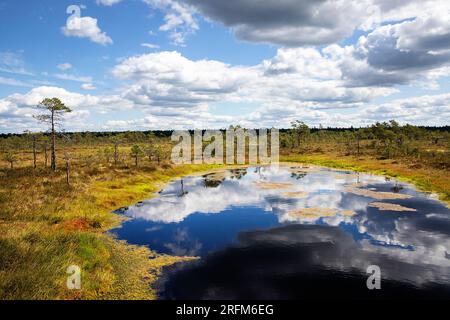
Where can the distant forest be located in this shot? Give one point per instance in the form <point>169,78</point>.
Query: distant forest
<point>167,133</point>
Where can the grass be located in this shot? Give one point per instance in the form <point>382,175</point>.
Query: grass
<point>46,226</point>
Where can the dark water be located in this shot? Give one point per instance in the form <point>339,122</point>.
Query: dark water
<point>256,241</point>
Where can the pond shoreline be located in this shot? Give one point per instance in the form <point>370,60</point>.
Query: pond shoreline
<point>288,162</point>
<point>158,219</point>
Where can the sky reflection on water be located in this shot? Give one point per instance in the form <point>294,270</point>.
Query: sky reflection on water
<point>231,217</point>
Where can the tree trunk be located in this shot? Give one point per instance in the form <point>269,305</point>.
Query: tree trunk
<point>68,172</point>
<point>116,154</point>
<point>53,142</point>
<point>12,165</point>
<point>46,156</point>
<point>34,152</point>
<point>136,160</point>
<point>358,146</point>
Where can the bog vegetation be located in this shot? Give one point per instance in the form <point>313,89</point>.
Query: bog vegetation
<point>58,190</point>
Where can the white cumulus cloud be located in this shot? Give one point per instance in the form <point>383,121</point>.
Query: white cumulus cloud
<point>179,20</point>
<point>86,27</point>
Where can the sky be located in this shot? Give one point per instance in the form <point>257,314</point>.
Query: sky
<point>178,64</point>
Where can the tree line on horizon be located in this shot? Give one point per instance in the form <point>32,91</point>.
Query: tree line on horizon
<point>383,140</point>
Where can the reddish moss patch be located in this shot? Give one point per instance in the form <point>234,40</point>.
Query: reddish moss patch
<point>79,224</point>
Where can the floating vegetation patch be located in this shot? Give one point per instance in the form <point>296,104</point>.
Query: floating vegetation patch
<point>376,194</point>
<point>273,185</point>
<point>347,213</point>
<point>298,171</point>
<point>220,175</point>
<point>313,213</point>
<point>213,180</point>
<point>303,169</point>
<point>390,207</point>
<point>238,173</point>
<point>295,194</point>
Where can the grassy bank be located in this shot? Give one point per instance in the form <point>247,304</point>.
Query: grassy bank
<point>424,178</point>
<point>46,226</point>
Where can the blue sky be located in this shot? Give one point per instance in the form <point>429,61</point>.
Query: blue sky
<point>158,64</point>
<point>38,40</point>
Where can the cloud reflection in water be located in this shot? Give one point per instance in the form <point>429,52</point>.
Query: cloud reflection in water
<point>229,219</point>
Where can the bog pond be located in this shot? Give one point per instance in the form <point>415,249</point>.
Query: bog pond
<point>294,232</point>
